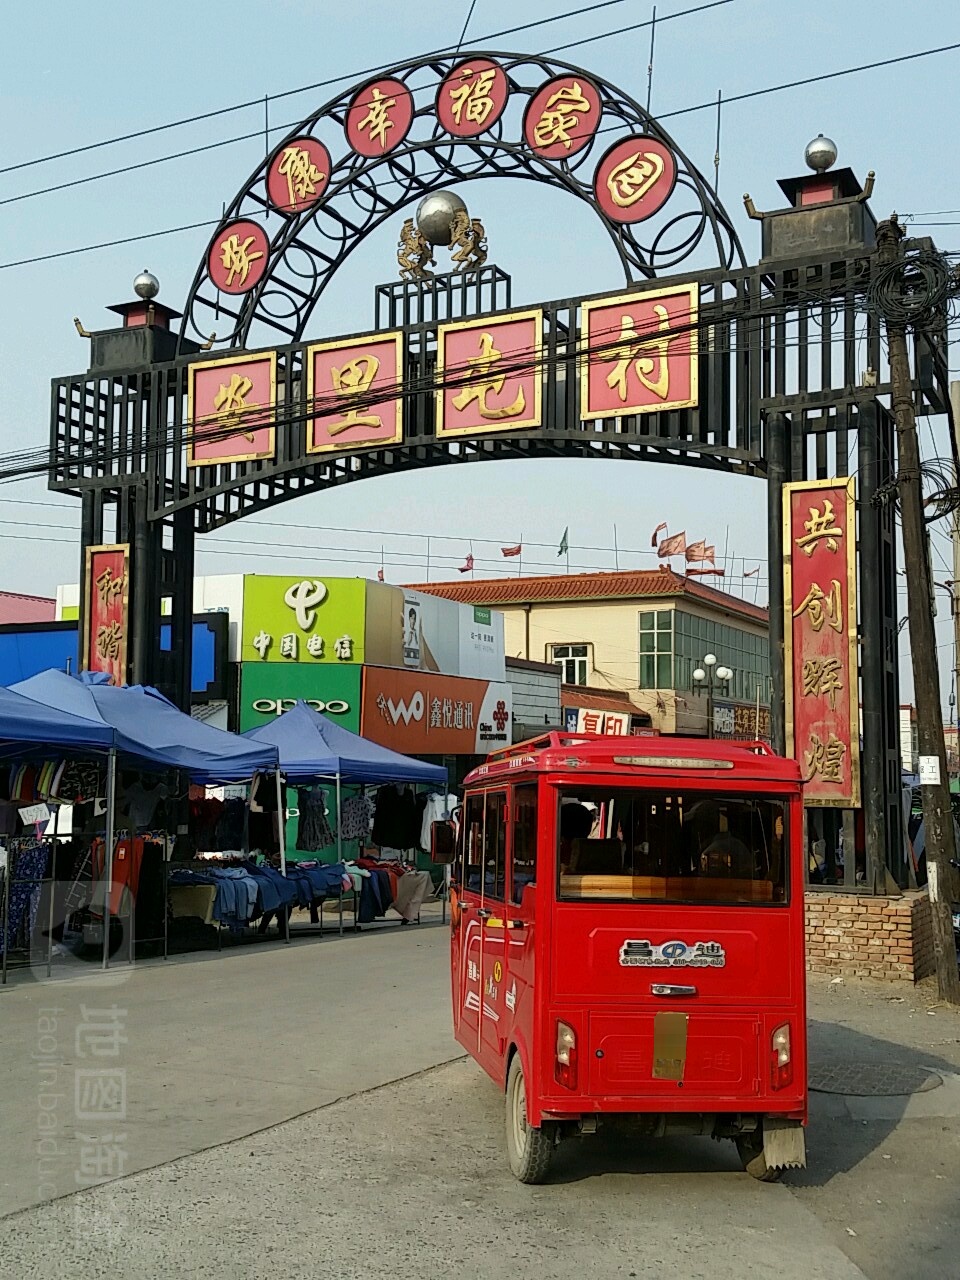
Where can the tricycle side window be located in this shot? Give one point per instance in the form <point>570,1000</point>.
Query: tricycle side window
<point>485,844</point>
<point>471,842</point>
<point>524,863</point>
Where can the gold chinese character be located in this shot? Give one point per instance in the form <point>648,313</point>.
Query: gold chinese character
<point>487,383</point>
<point>820,526</point>
<point>826,758</point>
<point>301,173</point>
<point>821,678</point>
<point>230,404</point>
<point>561,114</point>
<point>355,379</point>
<point>632,178</point>
<point>823,607</point>
<point>109,640</point>
<point>474,96</point>
<point>377,119</point>
<point>108,587</point>
<point>237,258</point>
<point>653,370</point>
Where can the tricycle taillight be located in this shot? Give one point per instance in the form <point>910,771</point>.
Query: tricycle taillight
<point>781,1061</point>
<point>565,1068</point>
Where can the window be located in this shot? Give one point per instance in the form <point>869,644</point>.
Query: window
<point>573,661</point>
<point>656,649</point>
<point>747,655</point>
<point>471,837</point>
<point>655,846</point>
<point>495,845</point>
<point>524,839</point>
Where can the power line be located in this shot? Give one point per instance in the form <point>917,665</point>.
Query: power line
<point>289,93</point>
<point>258,133</point>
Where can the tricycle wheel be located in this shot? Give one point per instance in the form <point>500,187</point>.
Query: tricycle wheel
<point>750,1148</point>
<point>529,1150</point>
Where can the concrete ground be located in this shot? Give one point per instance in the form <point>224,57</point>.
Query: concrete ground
<point>305,1110</point>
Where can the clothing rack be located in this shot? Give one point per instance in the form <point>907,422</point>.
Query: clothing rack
<point>15,846</point>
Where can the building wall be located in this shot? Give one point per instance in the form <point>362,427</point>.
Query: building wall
<point>536,700</point>
<point>870,937</point>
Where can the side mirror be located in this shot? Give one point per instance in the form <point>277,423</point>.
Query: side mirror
<point>443,842</point>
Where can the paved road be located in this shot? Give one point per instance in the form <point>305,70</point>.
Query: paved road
<point>399,1168</point>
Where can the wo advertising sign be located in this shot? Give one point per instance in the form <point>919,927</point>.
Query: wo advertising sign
<point>420,713</point>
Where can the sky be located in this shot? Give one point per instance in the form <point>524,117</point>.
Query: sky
<point>76,75</point>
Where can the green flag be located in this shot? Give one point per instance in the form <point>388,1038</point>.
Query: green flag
<point>564,544</point>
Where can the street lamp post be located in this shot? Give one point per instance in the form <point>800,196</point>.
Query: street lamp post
<point>710,677</point>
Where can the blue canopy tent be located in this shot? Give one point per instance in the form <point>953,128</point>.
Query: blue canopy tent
<point>25,722</point>
<point>146,729</point>
<point>312,746</point>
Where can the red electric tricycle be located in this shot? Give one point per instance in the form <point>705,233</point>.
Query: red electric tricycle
<point>628,943</point>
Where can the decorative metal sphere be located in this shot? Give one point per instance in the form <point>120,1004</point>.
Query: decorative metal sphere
<point>435,216</point>
<point>821,153</point>
<point>146,285</point>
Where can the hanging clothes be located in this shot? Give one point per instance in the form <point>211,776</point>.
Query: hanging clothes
<point>356,815</point>
<point>314,832</point>
<point>26,869</point>
<point>437,808</point>
<point>398,818</point>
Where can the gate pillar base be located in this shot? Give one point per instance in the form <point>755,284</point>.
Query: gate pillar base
<point>869,936</point>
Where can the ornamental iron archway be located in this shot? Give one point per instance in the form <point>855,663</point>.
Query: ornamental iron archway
<point>774,369</point>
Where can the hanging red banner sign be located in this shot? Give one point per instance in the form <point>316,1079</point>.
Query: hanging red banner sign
<point>472,98</point>
<point>106,611</point>
<point>634,179</point>
<point>379,118</point>
<point>640,353</point>
<point>298,175</point>
<point>820,639</point>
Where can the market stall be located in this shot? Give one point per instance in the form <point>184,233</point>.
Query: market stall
<point>149,734</point>
<point>313,750</point>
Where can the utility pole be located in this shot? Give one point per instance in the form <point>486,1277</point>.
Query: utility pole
<point>937,813</point>
<point>955,538</point>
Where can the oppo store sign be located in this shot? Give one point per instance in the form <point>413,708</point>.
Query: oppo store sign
<point>277,706</point>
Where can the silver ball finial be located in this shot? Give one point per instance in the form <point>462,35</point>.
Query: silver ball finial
<point>146,285</point>
<point>821,153</point>
<point>436,214</point>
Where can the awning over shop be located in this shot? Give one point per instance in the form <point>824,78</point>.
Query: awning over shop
<point>145,725</point>
<point>24,721</point>
<point>311,746</point>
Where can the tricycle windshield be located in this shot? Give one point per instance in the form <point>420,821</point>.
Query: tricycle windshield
<point>644,844</point>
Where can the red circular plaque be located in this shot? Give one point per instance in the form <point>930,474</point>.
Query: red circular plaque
<point>379,118</point>
<point>472,97</point>
<point>634,179</point>
<point>562,117</point>
<point>238,257</point>
<point>298,175</point>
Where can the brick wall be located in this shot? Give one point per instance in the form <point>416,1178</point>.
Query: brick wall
<point>870,937</point>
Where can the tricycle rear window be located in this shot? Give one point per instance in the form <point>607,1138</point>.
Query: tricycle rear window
<point>646,845</point>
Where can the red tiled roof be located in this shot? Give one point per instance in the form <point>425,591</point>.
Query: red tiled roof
<point>581,695</point>
<point>625,585</point>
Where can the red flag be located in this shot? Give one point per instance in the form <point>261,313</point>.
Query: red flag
<point>703,573</point>
<point>700,551</point>
<point>379,575</point>
<point>468,567</point>
<point>674,546</point>
<point>752,573</point>
<point>657,530</point>
<point>512,551</point>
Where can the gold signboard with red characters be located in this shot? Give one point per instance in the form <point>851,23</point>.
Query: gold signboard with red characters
<point>344,382</point>
<point>820,639</point>
<point>639,353</point>
<point>489,374</point>
<point>232,409</point>
<point>106,611</point>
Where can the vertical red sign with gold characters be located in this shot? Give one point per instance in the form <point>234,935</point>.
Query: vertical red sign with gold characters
<point>640,353</point>
<point>106,613</point>
<point>820,639</point>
